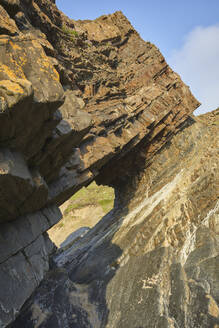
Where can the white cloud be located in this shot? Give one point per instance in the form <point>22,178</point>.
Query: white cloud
<point>197,62</point>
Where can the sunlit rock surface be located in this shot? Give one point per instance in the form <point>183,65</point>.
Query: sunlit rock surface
<point>153,260</point>
<point>85,100</point>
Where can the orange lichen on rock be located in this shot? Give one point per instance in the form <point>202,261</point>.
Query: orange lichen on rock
<point>7,72</point>
<point>7,25</point>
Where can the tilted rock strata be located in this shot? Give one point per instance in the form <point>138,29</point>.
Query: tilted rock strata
<point>114,105</point>
<point>153,260</point>
<point>78,99</point>
<point>24,258</point>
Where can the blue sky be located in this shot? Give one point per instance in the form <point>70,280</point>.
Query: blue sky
<point>186,32</point>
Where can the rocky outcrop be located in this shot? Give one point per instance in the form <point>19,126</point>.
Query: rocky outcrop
<point>85,100</point>
<point>153,260</point>
<point>121,91</point>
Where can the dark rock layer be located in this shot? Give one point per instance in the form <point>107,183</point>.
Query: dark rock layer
<point>119,90</point>
<point>153,260</point>
<point>85,100</point>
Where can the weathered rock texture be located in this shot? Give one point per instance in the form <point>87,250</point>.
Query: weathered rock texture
<point>91,100</point>
<point>152,261</point>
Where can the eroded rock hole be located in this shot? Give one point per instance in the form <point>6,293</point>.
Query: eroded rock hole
<point>81,212</point>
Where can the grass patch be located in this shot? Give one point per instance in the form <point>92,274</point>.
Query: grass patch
<point>99,198</point>
<point>72,34</point>
<point>106,204</point>
<point>92,195</point>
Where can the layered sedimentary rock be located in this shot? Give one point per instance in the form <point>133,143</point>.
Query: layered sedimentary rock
<point>153,260</point>
<point>85,100</point>
<point>118,90</point>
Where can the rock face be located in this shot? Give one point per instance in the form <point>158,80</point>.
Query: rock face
<point>85,100</point>
<point>153,260</point>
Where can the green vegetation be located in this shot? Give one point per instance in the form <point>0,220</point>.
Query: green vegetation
<point>69,32</point>
<point>83,209</point>
<point>92,195</point>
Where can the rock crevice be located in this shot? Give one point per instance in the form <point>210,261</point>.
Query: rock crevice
<point>85,100</point>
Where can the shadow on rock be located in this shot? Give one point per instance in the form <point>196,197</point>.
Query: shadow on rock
<point>74,292</point>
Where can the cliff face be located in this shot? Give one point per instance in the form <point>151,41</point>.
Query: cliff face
<point>91,100</point>
<point>112,90</point>
<point>153,260</point>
